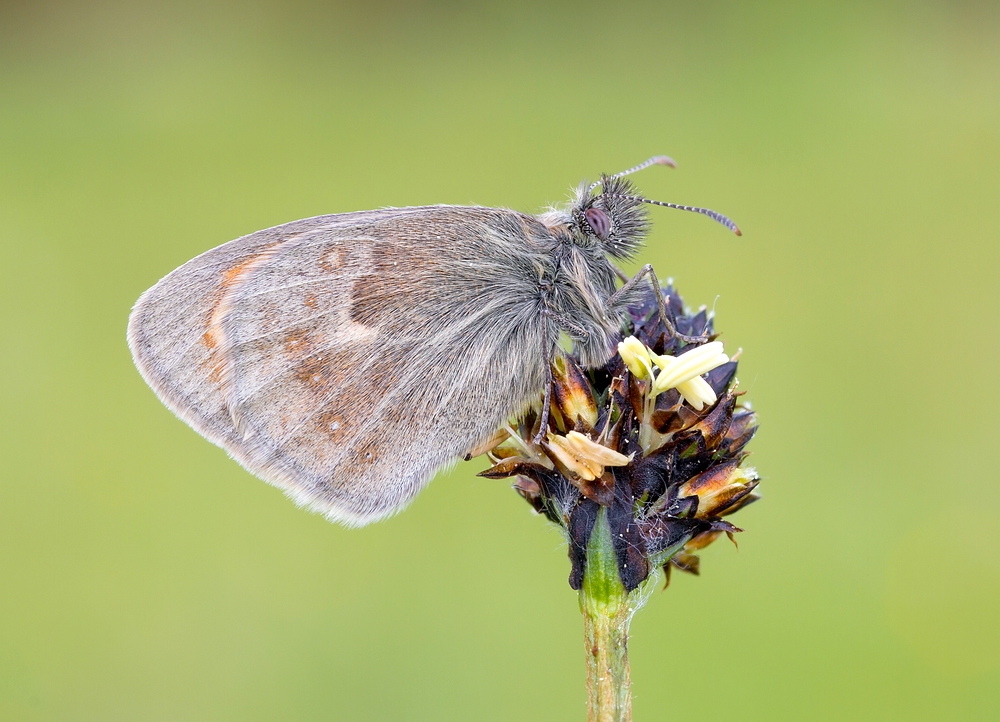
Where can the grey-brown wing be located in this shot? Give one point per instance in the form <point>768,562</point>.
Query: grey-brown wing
<point>345,358</point>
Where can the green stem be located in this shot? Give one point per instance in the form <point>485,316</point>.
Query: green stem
<point>607,610</point>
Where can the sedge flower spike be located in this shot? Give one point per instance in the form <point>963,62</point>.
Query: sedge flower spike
<point>640,466</point>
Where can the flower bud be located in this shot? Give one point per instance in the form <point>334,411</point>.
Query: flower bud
<point>573,395</point>
<point>719,488</point>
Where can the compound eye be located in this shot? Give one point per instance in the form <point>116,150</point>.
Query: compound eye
<point>599,222</point>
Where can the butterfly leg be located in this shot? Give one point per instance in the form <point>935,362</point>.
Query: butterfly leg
<point>543,424</point>
<point>567,325</point>
<point>572,328</point>
<point>647,271</point>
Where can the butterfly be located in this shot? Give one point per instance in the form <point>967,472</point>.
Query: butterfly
<point>346,358</point>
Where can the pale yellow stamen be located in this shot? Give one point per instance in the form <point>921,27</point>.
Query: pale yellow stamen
<point>697,392</point>
<point>584,457</point>
<point>592,450</point>
<point>636,356</point>
<point>681,371</point>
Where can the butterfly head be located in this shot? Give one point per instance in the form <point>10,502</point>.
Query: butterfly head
<point>614,219</point>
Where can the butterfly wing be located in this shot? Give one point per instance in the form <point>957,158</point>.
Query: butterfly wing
<point>346,358</point>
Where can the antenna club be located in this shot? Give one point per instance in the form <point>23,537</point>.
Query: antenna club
<point>737,231</point>
<point>665,160</point>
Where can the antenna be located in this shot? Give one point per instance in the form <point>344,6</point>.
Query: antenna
<point>718,217</point>
<point>655,160</point>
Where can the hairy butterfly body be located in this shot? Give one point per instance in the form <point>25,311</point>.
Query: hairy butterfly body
<point>346,358</point>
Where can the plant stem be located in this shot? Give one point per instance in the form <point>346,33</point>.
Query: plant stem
<point>607,610</point>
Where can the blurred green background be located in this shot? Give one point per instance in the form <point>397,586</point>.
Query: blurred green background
<point>147,577</point>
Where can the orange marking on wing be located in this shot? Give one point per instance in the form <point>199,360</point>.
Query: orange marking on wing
<point>209,338</point>
<point>331,422</point>
<point>214,337</point>
<point>297,343</point>
<point>332,260</point>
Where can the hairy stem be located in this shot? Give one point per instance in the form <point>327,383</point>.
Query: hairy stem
<point>607,610</point>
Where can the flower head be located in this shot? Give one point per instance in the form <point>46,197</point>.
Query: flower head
<point>655,438</point>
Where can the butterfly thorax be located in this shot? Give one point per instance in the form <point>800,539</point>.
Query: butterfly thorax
<point>577,293</point>
<point>592,230</point>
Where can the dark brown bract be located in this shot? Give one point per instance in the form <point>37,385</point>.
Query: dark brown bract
<point>666,472</point>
